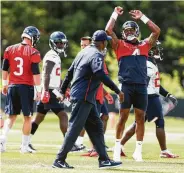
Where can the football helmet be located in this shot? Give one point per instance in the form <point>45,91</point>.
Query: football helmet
<point>156,51</point>
<point>128,25</point>
<point>56,38</point>
<point>31,33</point>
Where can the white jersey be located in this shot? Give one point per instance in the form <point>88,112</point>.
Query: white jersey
<point>154,75</point>
<point>55,76</point>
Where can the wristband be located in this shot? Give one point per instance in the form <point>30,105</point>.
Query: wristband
<point>144,19</point>
<point>114,15</point>
<point>4,82</point>
<point>38,88</point>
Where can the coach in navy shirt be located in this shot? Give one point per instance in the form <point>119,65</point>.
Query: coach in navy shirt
<point>86,74</point>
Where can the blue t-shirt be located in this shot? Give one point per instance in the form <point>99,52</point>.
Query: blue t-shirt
<point>87,62</point>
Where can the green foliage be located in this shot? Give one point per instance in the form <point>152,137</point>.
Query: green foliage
<point>80,18</point>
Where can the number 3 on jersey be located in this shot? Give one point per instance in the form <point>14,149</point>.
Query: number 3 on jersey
<point>19,62</point>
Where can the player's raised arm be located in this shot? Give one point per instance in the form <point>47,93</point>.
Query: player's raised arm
<point>110,25</point>
<point>137,14</point>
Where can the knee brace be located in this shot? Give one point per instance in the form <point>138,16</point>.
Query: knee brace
<point>160,123</point>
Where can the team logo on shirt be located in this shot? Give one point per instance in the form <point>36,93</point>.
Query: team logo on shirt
<point>97,63</point>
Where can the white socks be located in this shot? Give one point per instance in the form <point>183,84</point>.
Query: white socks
<point>117,150</point>
<point>139,146</point>
<point>25,140</point>
<point>6,128</point>
<point>79,140</point>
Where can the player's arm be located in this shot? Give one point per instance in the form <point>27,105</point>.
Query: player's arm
<point>68,79</point>
<point>136,14</point>
<point>98,71</point>
<point>166,94</point>
<point>49,65</point>
<point>5,67</point>
<point>110,25</point>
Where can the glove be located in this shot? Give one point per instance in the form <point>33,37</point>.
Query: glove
<point>109,98</point>
<point>67,93</point>
<point>172,99</point>
<point>45,97</point>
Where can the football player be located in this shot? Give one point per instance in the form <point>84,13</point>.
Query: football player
<point>154,112</point>
<point>51,79</point>
<point>22,62</point>
<point>132,56</point>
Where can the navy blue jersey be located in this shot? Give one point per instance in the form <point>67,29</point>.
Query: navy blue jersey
<point>133,69</point>
<point>132,61</point>
<point>87,62</point>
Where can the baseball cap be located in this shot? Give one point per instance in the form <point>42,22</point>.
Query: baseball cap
<point>100,35</point>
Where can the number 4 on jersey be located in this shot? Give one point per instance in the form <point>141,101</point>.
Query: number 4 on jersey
<point>136,52</point>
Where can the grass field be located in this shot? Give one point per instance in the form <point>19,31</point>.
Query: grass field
<point>48,138</point>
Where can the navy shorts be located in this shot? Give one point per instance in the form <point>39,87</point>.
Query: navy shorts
<point>19,97</point>
<point>154,108</point>
<point>53,105</point>
<point>102,108</point>
<point>136,95</point>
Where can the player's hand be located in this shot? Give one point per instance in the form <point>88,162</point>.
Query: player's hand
<point>136,14</point>
<point>61,97</point>
<point>67,94</point>
<point>38,96</point>
<point>121,97</point>
<point>109,98</point>
<point>45,96</point>
<point>172,99</point>
<point>118,10</point>
<point>5,90</point>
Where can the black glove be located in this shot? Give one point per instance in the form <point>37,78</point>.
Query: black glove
<point>172,99</point>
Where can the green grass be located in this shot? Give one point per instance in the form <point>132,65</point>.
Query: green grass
<point>48,138</point>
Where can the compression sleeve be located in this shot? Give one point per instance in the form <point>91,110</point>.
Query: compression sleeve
<point>5,65</point>
<point>35,68</point>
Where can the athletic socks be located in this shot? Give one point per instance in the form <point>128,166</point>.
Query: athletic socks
<point>79,140</point>
<point>25,140</point>
<point>139,146</point>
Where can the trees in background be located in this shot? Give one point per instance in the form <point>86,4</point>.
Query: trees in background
<point>77,19</point>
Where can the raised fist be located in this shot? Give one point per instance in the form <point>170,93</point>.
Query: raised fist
<point>45,97</point>
<point>172,99</point>
<point>136,14</point>
<point>118,10</point>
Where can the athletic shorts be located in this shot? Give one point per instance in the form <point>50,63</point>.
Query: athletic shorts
<point>53,105</point>
<point>20,97</point>
<point>154,108</point>
<point>136,95</point>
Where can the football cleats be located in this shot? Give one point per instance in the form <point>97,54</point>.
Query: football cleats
<point>156,51</point>
<point>31,33</point>
<point>130,35</point>
<point>58,42</point>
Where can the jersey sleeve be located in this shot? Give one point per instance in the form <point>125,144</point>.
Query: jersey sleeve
<point>36,57</point>
<point>97,62</point>
<point>150,69</point>
<point>6,56</point>
<point>51,57</point>
<point>147,43</point>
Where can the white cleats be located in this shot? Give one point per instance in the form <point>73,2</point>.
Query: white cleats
<point>26,149</point>
<point>2,144</point>
<point>137,156</point>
